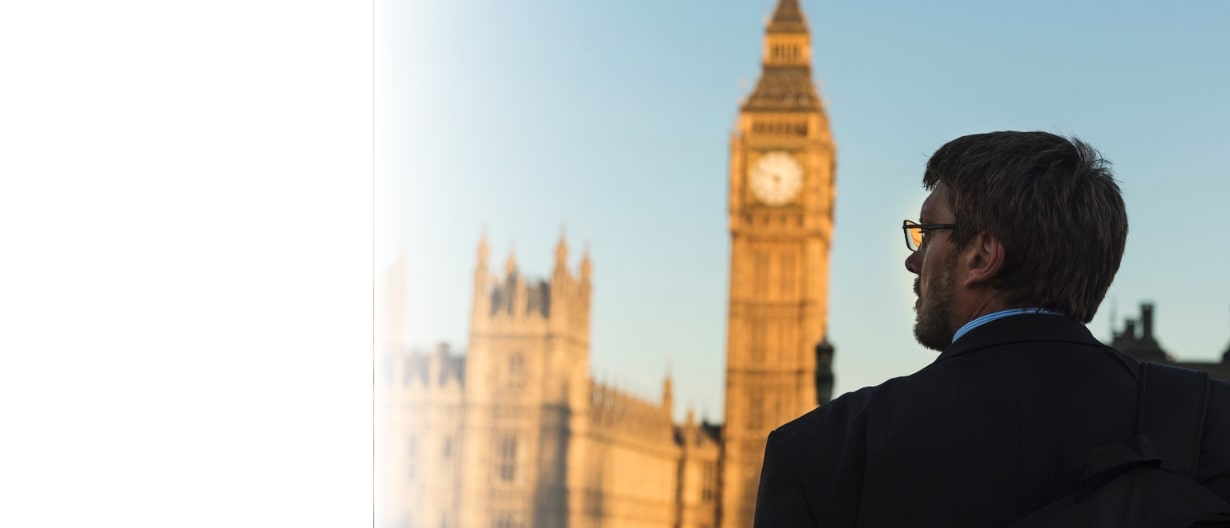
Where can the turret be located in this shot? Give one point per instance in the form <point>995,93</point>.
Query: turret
<point>561,253</point>
<point>481,301</point>
<point>668,399</point>
<point>481,254</point>
<point>586,267</point>
<point>510,264</point>
<point>563,285</point>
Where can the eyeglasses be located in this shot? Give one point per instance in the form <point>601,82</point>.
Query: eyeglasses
<point>915,232</point>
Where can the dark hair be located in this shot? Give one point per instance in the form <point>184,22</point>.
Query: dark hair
<point>1054,205</point>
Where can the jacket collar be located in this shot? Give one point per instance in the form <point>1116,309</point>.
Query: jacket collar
<point>1022,328</point>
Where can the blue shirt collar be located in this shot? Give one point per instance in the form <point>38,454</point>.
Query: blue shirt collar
<point>979,321</point>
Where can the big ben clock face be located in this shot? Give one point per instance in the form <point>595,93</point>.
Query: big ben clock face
<point>776,178</point>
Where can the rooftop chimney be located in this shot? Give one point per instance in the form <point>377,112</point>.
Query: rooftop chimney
<point>1146,320</point>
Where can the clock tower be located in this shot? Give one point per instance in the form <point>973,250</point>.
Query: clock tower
<point>782,186</point>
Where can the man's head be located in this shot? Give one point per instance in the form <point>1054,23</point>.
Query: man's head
<point>1039,223</point>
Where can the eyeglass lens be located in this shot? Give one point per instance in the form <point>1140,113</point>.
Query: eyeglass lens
<point>914,236</point>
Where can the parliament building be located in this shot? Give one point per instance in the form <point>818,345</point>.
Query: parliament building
<point>1142,344</point>
<point>516,433</point>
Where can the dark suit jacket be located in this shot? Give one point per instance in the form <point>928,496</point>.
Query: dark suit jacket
<point>998,426</point>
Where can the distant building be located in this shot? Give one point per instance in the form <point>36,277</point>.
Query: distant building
<point>1140,343</point>
<point>517,434</point>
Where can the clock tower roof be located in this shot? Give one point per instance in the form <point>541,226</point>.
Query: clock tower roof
<point>787,18</point>
<point>783,90</point>
<point>785,83</point>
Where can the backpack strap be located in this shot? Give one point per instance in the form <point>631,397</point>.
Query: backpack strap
<point>1173,403</point>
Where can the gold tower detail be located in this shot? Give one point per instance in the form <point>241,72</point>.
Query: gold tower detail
<point>782,186</point>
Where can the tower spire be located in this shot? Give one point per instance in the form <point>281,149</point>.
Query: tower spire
<point>483,250</point>
<point>668,393</point>
<point>561,251</point>
<point>785,79</point>
<point>510,265</point>
<point>787,18</point>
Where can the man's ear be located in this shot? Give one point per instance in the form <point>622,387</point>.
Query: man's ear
<point>984,259</point>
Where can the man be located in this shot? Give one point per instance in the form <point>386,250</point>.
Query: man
<point>1014,249</point>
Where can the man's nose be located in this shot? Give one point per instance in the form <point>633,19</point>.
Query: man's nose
<point>912,262</point>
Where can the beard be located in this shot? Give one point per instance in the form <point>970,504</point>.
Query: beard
<point>932,328</point>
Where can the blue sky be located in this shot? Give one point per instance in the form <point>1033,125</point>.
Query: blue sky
<point>611,120</point>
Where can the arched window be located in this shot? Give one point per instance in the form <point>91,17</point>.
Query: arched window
<point>516,371</point>
<point>789,268</point>
<point>708,483</point>
<point>760,271</point>
<point>411,456</point>
<point>506,458</point>
<point>755,410</point>
<point>758,340</point>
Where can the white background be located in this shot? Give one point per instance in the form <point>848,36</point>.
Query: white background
<point>185,263</point>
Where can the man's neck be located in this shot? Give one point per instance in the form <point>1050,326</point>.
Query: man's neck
<point>984,302</point>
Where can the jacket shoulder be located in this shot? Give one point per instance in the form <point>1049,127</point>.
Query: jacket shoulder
<point>837,417</point>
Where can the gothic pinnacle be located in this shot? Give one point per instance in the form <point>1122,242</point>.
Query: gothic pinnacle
<point>561,251</point>
<point>510,265</point>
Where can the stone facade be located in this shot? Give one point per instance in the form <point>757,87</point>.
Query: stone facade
<point>515,433</point>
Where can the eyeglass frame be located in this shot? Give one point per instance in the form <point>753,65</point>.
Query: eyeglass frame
<point>907,225</point>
